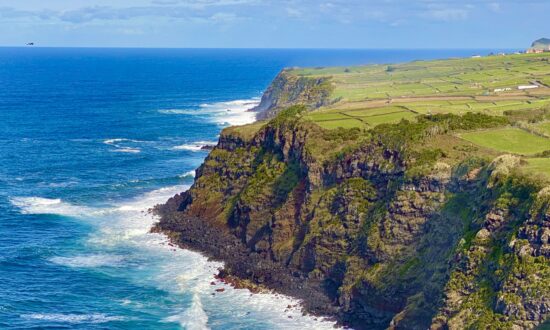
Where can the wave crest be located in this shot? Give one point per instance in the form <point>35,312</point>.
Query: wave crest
<point>73,318</point>
<point>194,318</point>
<point>195,146</point>
<point>223,113</point>
<point>89,261</point>
<point>40,205</point>
<point>116,142</point>
<point>188,174</point>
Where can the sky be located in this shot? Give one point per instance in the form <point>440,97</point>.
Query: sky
<point>512,24</point>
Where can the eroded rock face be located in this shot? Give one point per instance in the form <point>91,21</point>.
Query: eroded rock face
<point>356,238</point>
<point>288,89</point>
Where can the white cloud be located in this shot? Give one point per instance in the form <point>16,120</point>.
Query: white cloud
<point>293,12</point>
<point>447,14</point>
<point>494,6</point>
<point>223,17</point>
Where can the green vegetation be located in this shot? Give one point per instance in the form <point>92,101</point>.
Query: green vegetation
<point>342,123</point>
<point>485,85</point>
<point>511,140</point>
<point>538,165</point>
<point>544,127</point>
<point>245,132</point>
<point>427,92</point>
<point>459,77</point>
<point>416,193</point>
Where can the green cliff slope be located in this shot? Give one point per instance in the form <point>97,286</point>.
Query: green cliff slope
<point>401,224</point>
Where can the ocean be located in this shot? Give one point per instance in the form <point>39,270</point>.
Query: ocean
<point>90,139</point>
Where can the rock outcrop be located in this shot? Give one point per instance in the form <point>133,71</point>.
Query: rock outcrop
<point>288,89</point>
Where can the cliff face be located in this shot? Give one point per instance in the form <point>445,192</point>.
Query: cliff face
<point>288,89</point>
<point>371,230</point>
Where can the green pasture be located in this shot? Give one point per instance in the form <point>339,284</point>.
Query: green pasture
<point>512,140</point>
<point>468,76</point>
<point>538,165</point>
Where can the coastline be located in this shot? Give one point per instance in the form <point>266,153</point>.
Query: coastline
<point>239,265</point>
<point>377,225</point>
<point>235,272</point>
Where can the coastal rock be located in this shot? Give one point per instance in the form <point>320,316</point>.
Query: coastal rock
<point>288,89</point>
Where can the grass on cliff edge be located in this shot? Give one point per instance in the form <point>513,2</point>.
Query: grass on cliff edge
<point>538,165</point>
<point>512,140</point>
<point>455,77</point>
<point>386,94</point>
<point>431,87</point>
<point>245,132</point>
<point>544,127</point>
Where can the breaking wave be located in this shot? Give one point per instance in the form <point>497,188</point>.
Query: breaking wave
<point>195,146</point>
<point>194,318</point>
<point>120,145</point>
<point>223,113</point>
<point>40,205</point>
<point>89,261</point>
<point>126,227</point>
<point>72,318</point>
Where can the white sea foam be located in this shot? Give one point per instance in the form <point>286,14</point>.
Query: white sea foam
<point>89,261</point>
<point>113,141</point>
<point>127,150</point>
<point>62,184</point>
<point>188,174</point>
<point>183,272</point>
<point>73,318</point>
<point>176,271</point>
<point>39,205</point>
<point>194,318</point>
<point>56,206</point>
<point>224,113</point>
<point>117,143</point>
<point>118,140</point>
<point>179,112</point>
<point>188,147</point>
<point>195,146</point>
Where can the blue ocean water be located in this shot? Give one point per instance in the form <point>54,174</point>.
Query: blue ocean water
<point>90,139</point>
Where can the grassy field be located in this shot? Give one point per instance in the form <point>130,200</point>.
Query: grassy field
<point>343,123</point>
<point>432,87</point>
<point>362,118</point>
<point>512,140</point>
<point>367,96</point>
<point>471,76</point>
<point>545,127</point>
<point>538,165</point>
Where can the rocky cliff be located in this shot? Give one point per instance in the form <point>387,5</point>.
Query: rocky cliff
<point>288,89</point>
<point>379,229</point>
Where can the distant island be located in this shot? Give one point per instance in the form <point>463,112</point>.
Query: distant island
<point>540,46</point>
<point>402,196</point>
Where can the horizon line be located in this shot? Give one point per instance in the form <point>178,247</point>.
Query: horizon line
<point>258,48</point>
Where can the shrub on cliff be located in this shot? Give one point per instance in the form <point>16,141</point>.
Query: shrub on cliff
<point>288,116</point>
<point>400,135</point>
